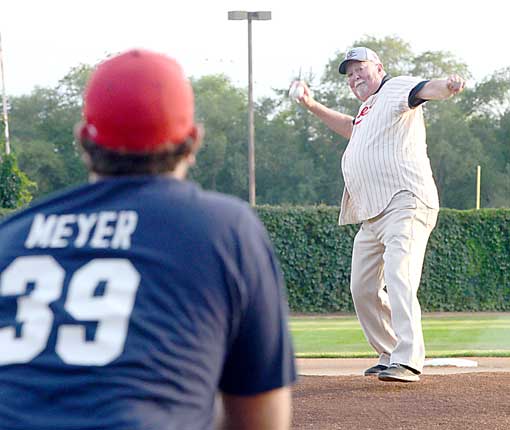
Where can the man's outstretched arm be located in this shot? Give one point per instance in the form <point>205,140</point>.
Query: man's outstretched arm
<point>440,89</point>
<point>340,123</point>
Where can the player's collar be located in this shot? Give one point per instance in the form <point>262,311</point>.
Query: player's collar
<point>384,80</point>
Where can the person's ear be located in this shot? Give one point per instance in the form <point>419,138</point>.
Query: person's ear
<point>197,136</point>
<point>79,134</point>
<point>84,131</point>
<point>79,131</point>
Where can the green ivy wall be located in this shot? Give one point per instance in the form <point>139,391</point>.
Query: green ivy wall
<point>467,265</point>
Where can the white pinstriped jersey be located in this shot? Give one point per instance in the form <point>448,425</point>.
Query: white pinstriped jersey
<point>387,153</point>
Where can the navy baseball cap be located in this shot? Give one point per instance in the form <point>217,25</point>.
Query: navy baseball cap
<point>358,54</point>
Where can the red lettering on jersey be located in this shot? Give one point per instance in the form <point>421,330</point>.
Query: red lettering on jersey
<point>363,113</point>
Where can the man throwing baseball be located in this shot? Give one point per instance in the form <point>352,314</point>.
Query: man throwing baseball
<point>390,190</point>
<point>139,301</point>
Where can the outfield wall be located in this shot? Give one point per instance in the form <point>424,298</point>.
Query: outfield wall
<point>467,265</point>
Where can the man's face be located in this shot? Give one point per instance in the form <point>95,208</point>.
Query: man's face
<point>364,78</point>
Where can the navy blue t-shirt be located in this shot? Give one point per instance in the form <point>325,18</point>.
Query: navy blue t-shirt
<point>126,303</point>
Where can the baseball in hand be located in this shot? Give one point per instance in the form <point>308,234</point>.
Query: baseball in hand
<point>296,90</point>
<point>455,84</point>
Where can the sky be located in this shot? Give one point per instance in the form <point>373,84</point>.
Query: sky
<point>43,39</point>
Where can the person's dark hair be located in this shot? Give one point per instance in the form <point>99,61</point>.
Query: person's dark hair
<point>112,163</point>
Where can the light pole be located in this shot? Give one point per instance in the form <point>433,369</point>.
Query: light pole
<point>4,103</point>
<point>237,15</point>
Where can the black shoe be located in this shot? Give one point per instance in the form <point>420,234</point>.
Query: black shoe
<point>375,370</point>
<point>399,373</point>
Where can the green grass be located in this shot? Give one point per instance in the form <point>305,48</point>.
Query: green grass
<point>446,335</point>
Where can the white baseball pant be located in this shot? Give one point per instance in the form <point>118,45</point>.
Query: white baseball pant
<point>387,261</point>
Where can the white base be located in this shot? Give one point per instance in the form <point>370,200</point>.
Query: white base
<point>456,362</point>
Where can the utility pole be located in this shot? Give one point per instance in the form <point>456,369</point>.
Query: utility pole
<point>4,103</point>
<point>478,181</point>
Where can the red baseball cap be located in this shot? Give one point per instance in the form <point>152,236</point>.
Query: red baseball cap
<point>138,101</point>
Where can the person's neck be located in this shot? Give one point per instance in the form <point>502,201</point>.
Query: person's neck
<point>179,173</point>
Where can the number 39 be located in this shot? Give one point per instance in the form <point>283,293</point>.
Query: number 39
<point>111,310</point>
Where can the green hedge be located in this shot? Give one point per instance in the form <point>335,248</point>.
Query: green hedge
<point>467,266</point>
<point>4,212</point>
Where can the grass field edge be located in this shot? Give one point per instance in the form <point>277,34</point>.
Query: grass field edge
<point>431,354</point>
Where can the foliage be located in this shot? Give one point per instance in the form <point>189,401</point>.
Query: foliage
<point>41,125</point>
<point>44,163</point>
<point>438,64</point>
<point>222,162</point>
<point>5,211</point>
<point>455,156</point>
<point>466,267</point>
<point>15,187</point>
<point>297,156</point>
<point>315,254</point>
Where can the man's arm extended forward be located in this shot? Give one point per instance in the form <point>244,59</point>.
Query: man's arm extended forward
<point>440,89</point>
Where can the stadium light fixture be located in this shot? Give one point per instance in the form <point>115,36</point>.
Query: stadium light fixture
<point>239,15</point>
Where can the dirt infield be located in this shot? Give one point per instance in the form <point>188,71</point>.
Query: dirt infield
<point>445,398</point>
<point>356,366</point>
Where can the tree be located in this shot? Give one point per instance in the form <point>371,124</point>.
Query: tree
<point>42,128</point>
<point>43,164</point>
<point>489,98</point>
<point>297,156</point>
<point>15,187</point>
<point>282,168</point>
<point>437,65</point>
<point>487,111</point>
<point>454,152</point>
<point>293,164</point>
<point>222,163</point>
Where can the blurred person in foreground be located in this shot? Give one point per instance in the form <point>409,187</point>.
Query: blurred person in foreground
<point>139,301</point>
<point>390,191</point>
